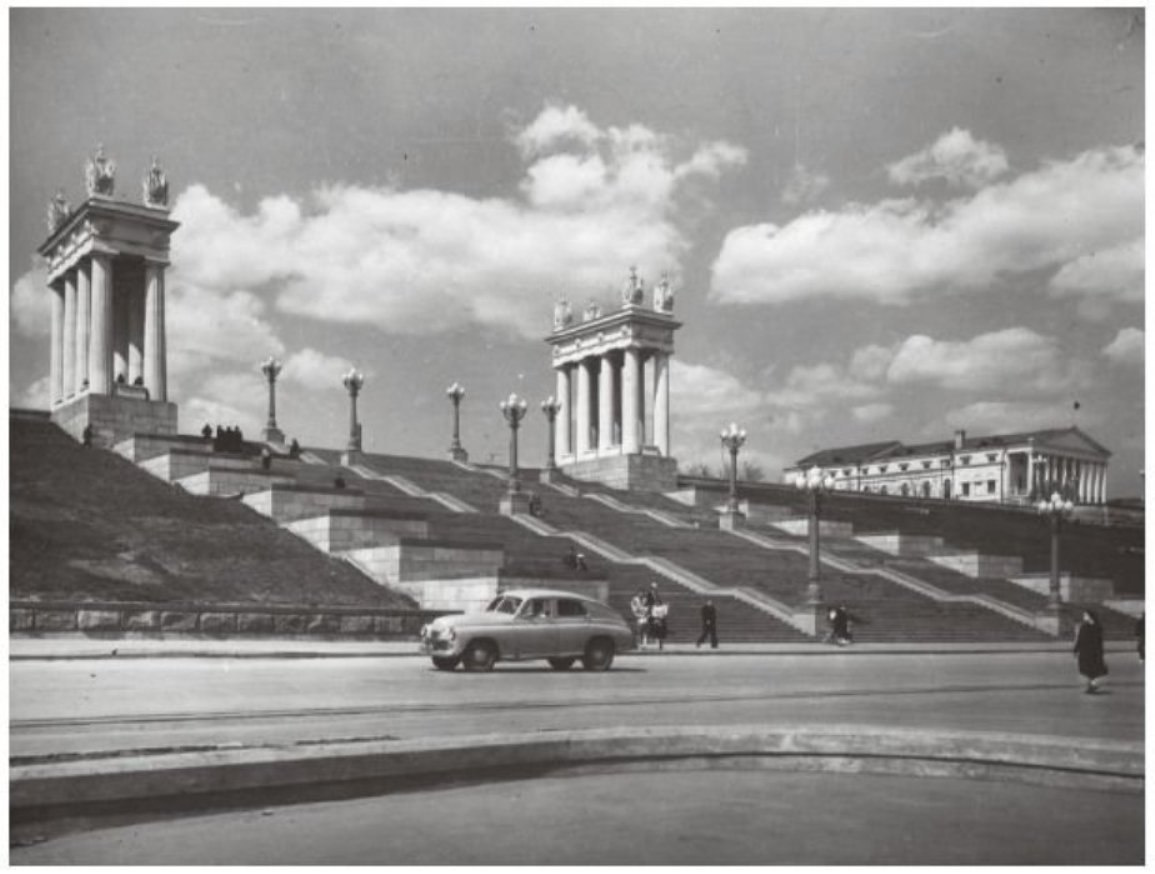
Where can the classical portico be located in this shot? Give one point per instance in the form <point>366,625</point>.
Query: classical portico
<point>106,264</point>
<point>613,387</point>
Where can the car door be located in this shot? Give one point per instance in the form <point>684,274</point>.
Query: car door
<point>535,629</point>
<point>573,625</point>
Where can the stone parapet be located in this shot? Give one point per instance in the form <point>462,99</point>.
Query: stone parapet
<point>897,543</point>
<point>643,473</point>
<point>418,560</point>
<point>213,620</point>
<point>114,419</point>
<point>341,532</point>
<point>141,447</point>
<point>978,564</point>
<point>285,502</point>
<point>177,464</point>
<point>1077,589</point>
<point>224,481</point>
<point>826,527</point>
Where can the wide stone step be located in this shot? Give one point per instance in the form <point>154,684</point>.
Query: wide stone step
<point>979,564</point>
<point>344,530</point>
<point>223,482</point>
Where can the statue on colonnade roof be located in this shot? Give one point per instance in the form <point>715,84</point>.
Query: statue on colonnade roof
<point>100,174</point>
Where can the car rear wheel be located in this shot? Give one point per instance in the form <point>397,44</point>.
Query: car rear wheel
<point>562,664</point>
<point>445,663</point>
<point>479,656</point>
<point>599,654</point>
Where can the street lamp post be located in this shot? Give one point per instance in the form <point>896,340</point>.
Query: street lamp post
<point>732,438</point>
<point>515,501</point>
<point>353,380</point>
<point>272,369</point>
<point>1058,508</point>
<point>551,408</point>
<point>815,484</point>
<point>456,451</point>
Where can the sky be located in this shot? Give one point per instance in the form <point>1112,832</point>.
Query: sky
<point>879,224</point>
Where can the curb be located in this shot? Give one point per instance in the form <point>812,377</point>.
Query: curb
<point>264,775</point>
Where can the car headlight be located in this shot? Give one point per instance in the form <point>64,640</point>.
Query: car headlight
<point>424,631</point>
<point>451,634</point>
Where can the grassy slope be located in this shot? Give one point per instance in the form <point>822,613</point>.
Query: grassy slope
<point>88,524</point>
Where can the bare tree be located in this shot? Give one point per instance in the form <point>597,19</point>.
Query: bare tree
<point>699,468</point>
<point>753,472</point>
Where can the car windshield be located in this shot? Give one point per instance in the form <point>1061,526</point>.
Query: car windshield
<point>503,604</point>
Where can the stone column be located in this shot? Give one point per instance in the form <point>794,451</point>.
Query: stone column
<point>83,324</point>
<point>119,331</point>
<point>135,320</point>
<point>582,420</point>
<point>606,404</point>
<point>100,343</point>
<point>631,389</point>
<point>69,338</point>
<point>155,364</point>
<point>565,411</point>
<point>662,402</point>
<point>56,362</point>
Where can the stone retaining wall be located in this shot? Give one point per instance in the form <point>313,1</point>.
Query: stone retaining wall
<point>215,620</point>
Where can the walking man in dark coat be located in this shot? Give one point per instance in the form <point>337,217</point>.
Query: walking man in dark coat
<point>709,625</point>
<point>1089,650</point>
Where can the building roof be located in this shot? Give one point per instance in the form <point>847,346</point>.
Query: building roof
<point>895,449</point>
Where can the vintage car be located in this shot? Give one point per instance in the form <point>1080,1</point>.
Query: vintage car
<point>520,624</point>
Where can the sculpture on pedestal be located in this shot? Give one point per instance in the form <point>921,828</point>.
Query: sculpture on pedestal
<point>593,311</point>
<point>58,211</point>
<point>664,296</point>
<point>562,315</point>
<point>633,291</point>
<point>155,186</point>
<point>100,175</point>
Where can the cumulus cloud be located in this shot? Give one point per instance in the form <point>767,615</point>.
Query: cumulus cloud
<point>957,157</point>
<point>1099,279</point>
<point>592,202</point>
<point>1014,357</point>
<point>804,185</point>
<point>995,417</point>
<point>315,370</point>
<point>31,304</point>
<point>33,396</point>
<point>1127,347</point>
<point>207,326</point>
<point>899,250</point>
<point>871,413</point>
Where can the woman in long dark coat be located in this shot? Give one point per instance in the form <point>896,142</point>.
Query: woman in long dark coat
<point>1089,650</point>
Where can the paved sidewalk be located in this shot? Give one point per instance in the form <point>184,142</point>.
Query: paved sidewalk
<point>73,646</point>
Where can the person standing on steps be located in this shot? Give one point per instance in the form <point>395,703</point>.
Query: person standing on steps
<point>709,625</point>
<point>656,612</point>
<point>1088,650</point>
<point>641,618</point>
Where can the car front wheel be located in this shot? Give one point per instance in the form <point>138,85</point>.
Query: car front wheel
<point>479,656</point>
<point>562,664</point>
<point>599,654</point>
<point>445,663</point>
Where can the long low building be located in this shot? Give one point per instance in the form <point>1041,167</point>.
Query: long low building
<point>1004,468</point>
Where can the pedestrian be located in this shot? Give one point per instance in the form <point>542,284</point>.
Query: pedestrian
<point>266,458</point>
<point>534,504</point>
<point>1140,642</point>
<point>839,620</point>
<point>641,618</point>
<point>86,435</point>
<point>709,625</point>
<point>1088,650</point>
<point>656,612</point>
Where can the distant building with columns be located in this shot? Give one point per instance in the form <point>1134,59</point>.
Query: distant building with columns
<point>106,264</point>
<point>1005,468</point>
<point>613,387</point>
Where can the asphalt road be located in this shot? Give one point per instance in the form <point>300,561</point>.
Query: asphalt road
<point>103,706</point>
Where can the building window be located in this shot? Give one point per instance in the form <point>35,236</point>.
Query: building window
<point>966,489</point>
<point>882,490</point>
<point>905,489</point>
<point>926,488</point>
<point>903,466</point>
<point>926,465</point>
<point>992,487</point>
<point>966,459</point>
<point>992,457</point>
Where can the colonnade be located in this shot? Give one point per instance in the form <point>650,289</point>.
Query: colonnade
<point>105,331</point>
<point>1088,477</point>
<point>603,403</point>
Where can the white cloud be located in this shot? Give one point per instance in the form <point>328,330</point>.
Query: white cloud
<point>871,413</point>
<point>1003,417</point>
<point>1127,347</point>
<point>1012,359</point>
<point>896,251</point>
<point>315,370</point>
<point>1102,278</point>
<point>31,304</point>
<point>804,186</point>
<point>33,396</point>
<point>207,326</point>
<point>957,157</point>
<point>592,202</point>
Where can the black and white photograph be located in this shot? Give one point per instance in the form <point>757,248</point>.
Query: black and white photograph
<point>573,436</point>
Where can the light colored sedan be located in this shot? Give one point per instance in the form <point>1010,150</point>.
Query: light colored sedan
<point>520,624</point>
